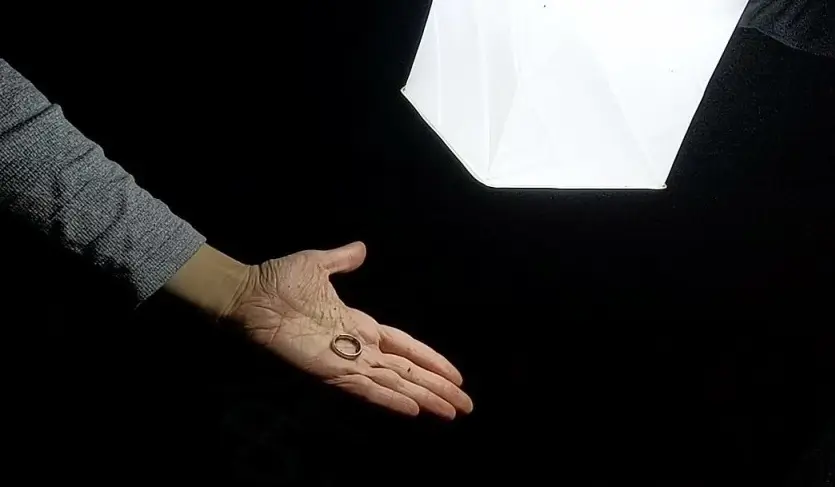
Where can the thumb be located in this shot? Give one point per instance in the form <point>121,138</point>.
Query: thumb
<point>345,259</point>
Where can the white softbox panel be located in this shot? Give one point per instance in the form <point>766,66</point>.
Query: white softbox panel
<point>568,93</point>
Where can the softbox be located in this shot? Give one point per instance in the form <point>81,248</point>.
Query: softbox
<point>568,93</point>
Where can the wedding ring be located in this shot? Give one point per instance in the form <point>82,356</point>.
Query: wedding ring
<point>347,338</point>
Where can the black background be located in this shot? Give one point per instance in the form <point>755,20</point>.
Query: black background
<point>677,338</point>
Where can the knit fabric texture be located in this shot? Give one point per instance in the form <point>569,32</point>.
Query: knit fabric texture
<point>62,184</point>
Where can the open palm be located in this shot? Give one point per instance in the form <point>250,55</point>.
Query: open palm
<point>290,306</point>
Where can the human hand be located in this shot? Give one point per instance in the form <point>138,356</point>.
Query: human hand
<point>290,306</point>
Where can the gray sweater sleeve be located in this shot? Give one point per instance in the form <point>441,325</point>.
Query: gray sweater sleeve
<point>62,184</point>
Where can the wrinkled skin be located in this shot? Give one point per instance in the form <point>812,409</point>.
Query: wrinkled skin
<point>290,306</point>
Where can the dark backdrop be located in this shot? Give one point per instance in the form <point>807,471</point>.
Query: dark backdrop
<point>675,338</point>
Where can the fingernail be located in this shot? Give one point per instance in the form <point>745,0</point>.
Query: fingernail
<point>456,377</point>
<point>469,407</point>
<point>448,414</point>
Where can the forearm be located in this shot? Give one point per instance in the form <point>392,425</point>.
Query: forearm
<point>209,281</point>
<point>63,186</point>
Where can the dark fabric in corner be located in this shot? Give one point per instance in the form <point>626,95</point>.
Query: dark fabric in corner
<point>801,24</point>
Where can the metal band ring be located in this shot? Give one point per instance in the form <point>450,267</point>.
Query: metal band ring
<point>348,338</point>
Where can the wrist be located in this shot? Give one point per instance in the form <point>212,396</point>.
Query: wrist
<point>210,281</point>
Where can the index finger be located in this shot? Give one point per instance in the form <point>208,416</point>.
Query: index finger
<point>398,342</point>
<point>442,387</point>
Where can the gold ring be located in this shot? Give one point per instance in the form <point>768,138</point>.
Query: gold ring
<point>348,338</point>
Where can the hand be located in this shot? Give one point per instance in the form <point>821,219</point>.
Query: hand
<point>290,306</point>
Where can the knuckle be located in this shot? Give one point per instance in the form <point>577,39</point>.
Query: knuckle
<point>348,371</point>
<point>311,259</point>
<point>362,380</point>
<point>448,390</point>
<point>389,376</point>
<point>370,361</point>
<point>355,383</point>
<point>400,333</point>
<point>401,364</point>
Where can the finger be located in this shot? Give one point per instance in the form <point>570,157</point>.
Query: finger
<point>398,342</point>
<point>445,389</point>
<point>369,390</point>
<point>426,399</point>
<point>344,259</point>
